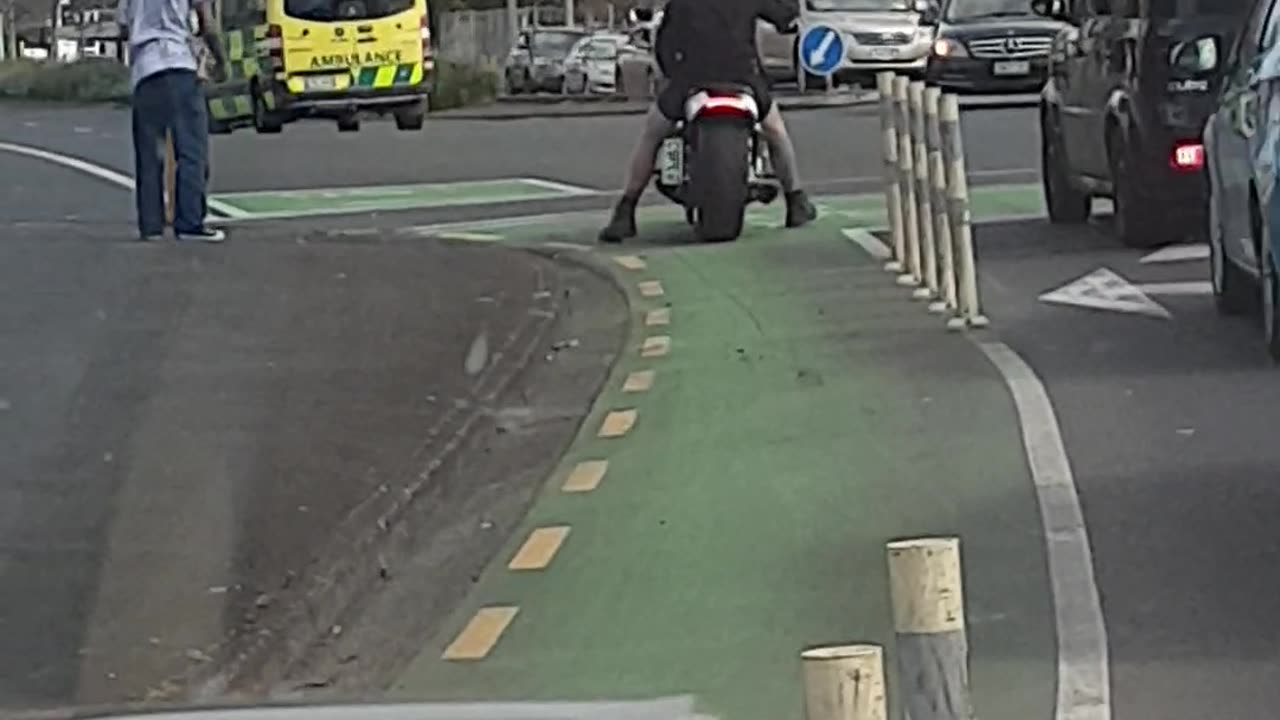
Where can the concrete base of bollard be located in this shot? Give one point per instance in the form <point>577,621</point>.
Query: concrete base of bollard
<point>906,280</point>
<point>893,266</point>
<point>923,293</point>
<point>938,307</point>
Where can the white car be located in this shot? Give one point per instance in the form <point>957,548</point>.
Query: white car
<point>592,64</point>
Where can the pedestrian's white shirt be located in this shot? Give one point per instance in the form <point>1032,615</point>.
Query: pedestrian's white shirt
<point>159,36</point>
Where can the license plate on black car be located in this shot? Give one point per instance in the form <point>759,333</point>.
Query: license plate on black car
<point>1011,68</point>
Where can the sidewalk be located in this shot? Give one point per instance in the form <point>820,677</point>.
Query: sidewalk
<point>806,413</point>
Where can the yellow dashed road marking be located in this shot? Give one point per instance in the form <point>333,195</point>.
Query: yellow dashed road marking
<point>655,346</point>
<point>617,423</point>
<point>651,288</point>
<point>539,549</point>
<point>661,316</point>
<point>638,381</point>
<point>630,262</point>
<point>480,635</point>
<point>586,476</point>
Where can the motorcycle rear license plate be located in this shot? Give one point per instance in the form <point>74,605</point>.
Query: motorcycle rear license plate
<point>1009,68</point>
<point>671,169</point>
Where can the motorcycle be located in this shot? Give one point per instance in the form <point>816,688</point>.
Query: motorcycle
<point>716,162</point>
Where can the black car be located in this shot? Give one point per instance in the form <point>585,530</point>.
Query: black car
<point>1131,84</point>
<point>991,46</point>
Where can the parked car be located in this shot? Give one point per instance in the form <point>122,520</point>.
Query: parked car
<point>592,64</point>
<point>879,35</point>
<point>635,57</point>
<point>1131,84</point>
<point>1240,148</point>
<point>992,46</point>
<point>537,62</point>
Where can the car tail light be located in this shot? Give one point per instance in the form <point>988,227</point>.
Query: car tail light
<point>1187,157</point>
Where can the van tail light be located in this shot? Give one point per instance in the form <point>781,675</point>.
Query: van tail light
<point>275,47</point>
<point>1187,157</point>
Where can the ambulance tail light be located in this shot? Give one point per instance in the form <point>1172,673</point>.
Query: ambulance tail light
<point>275,46</point>
<point>426,41</point>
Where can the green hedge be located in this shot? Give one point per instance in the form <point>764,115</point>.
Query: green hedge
<point>460,85</point>
<point>94,80</point>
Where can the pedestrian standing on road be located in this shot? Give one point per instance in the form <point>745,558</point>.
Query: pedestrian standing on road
<point>168,99</point>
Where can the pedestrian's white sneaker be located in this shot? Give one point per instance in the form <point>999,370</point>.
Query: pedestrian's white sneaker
<point>209,235</point>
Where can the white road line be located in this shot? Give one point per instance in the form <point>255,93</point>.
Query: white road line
<point>1084,683</point>
<point>103,173</point>
<point>1190,287</point>
<point>874,246</point>
<point>560,187</point>
<point>1177,253</point>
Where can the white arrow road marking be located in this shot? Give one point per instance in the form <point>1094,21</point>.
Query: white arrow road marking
<point>1191,287</point>
<point>874,246</point>
<point>1103,289</point>
<point>1177,253</point>
<point>815,57</point>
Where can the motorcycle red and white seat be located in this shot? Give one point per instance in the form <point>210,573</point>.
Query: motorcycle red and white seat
<point>708,104</point>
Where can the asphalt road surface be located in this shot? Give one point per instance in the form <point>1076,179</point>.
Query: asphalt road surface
<point>1169,420</point>
<point>194,440</point>
<point>1167,413</point>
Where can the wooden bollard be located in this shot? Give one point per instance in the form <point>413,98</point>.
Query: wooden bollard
<point>844,682</point>
<point>906,183</point>
<point>928,619</point>
<point>893,192</point>
<point>170,180</point>
<point>924,206</point>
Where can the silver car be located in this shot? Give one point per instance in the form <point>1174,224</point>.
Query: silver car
<point>878,35</point>
<point>537,62</point>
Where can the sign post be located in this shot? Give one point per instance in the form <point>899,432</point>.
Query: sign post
<point>821,53</point>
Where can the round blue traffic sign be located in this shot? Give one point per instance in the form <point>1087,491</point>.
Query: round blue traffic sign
<point>821,50</point>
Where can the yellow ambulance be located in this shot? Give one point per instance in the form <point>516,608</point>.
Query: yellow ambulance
<point>336,59</point>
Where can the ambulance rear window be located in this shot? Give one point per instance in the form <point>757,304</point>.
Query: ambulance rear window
<point>337,10</point>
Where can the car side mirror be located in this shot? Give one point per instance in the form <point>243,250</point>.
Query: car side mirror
<point>1197,56</point>
<point>928,11</point>
<point>1052,9</point>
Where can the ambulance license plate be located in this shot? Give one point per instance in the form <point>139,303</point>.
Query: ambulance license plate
<point>671,167</point>
<point>319,83</point>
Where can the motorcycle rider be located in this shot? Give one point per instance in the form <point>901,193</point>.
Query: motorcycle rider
<point>712,41</point>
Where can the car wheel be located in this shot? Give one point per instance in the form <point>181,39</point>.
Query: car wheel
<point>264,121</point>
<point>526,82</point>
<point>1066,203</point>
<point>1136,224</point>
<point>1232,293</point>
<point>412,117</point>
<point>1270,300</point>
<point>349,123</point>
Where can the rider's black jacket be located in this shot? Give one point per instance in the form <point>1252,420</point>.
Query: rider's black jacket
<point>714,41</point>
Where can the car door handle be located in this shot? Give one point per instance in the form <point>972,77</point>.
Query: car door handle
<point>1246,108</point>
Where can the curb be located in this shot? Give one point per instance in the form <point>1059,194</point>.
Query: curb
<point>557,107</point>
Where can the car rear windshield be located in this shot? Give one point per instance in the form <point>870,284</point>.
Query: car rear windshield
<point>331,10</point>
<point>1170,9</point>
<point>846,5</point>
<point>554,44</point>
<point>975,9</point>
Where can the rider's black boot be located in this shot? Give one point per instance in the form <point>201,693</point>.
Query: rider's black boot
<point>622,225</point>
<point>799,210</point>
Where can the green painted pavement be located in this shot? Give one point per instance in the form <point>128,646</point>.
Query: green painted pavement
<point>807,414</point>
<point>333,201</point>
<point>867,210</point>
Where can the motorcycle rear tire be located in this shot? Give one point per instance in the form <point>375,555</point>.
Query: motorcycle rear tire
<point>719,177</point>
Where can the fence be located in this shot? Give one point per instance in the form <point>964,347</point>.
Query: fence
<point>927,198</point>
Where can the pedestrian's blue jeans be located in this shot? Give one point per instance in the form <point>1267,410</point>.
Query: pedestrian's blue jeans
<point>170,101</point>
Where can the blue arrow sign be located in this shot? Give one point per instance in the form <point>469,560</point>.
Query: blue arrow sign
<point>821,50</point>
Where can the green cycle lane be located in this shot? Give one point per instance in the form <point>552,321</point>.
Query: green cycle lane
<point>382,198</point>
<point>807,413</point>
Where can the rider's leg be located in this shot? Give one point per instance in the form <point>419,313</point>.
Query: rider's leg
<point>799,210</point>
<point>639,172</point>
